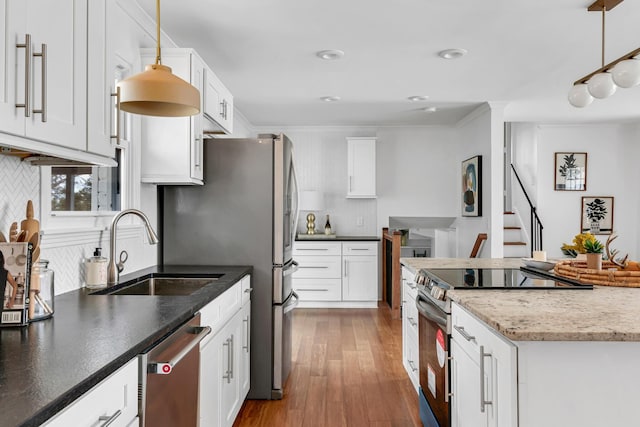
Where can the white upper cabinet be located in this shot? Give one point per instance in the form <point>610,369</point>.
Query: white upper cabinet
<point>172,149</point>
<point>46,77</point>
<point>218,105</point>
<point>361,168</point>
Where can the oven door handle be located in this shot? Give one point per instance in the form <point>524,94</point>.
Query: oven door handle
<point>430,311</point>
<point>290,306</point>
<point>165,368</point>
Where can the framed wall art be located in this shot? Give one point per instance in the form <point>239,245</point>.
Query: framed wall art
<point>597,215</point>
<point>570,172</point>
<point>472,186</point>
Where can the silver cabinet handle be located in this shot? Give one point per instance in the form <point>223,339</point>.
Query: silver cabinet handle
<point>43,109</point>
<point>350,183</point>
<point>412,321</point>
<point>483,401</point>
<point>447,392</point>
<point>165,368</point>
<point>345,268</point>
<point>359,249</point>
<point>312,290</point>
<point>116,95</point>
<point>464,333</point>
<point>312,249</point>
<point>412,365</point>
<point>222,109</point>
<point>108,420</point>
<point>227,375</point>
<point>27,75</point>
<point>231,357</point>
<point>248,290</point>
<point>246,347</point>
<point>198,143</point>
<point>314,266</point>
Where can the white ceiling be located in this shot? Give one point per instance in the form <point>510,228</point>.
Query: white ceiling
<point>526,54</point>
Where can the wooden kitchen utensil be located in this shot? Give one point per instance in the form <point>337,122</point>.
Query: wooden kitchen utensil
<point>30,225</point>
<point>13,232</point>
<point>22,237</point>
<point>2,238</point>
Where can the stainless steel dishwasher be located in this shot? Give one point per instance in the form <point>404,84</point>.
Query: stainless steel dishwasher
<point>168,392</point>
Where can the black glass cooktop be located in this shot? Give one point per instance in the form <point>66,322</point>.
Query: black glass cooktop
<point>479,278</point>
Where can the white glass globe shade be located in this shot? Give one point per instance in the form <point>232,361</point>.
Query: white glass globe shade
<point>601,85</point>
<point>626,73</point>
<point>579,96</point>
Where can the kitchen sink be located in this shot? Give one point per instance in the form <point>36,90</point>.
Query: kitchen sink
<point>163,286</point>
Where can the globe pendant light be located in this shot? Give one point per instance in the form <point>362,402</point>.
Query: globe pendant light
<point>626,73</point>
<point>158,92</point>
<point>579,96</point>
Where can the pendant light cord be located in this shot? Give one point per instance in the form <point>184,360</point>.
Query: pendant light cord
<point>604,10</point>
<point>159,60</point>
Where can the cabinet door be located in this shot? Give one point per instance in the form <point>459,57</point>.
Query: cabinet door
<point>360,278</point>
<point>361,167</point>
<point>245,351</point>
<point>59,75</point>
<point>12,66</point>
<point>196,139</point>
<point>465,384</point>
<point>218,104</point>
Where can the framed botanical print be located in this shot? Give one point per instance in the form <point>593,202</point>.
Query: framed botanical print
<point>570,172</point>
<point>472,186</point>
<point>597,215</point>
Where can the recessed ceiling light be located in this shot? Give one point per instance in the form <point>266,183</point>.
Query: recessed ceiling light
<point>452,53</point>
<point>416,98</point>
<point>430,109</point>
<point>330,98</point>
<point>330,55</point>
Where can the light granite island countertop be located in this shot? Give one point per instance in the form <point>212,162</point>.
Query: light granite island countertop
<point>602,314</point>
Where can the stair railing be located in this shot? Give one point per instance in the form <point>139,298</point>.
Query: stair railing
<point>535,223</point>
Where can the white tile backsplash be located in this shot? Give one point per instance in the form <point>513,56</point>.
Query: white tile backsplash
<point>19,183</point>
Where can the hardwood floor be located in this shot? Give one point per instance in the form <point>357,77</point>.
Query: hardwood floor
<point>347,371</point>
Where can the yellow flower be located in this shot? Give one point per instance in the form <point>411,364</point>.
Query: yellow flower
<point>578,243</point>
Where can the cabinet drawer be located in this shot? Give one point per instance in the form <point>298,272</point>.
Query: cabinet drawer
<point>118,392</point>
<point>410,290</point>
<point>316,248</point>
<point>311,267</point>
<point>318,289</point>
<point>410,315</point>
<point>360,248</point>
<point>221,309</point>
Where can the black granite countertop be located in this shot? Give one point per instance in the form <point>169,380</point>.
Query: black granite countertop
<point>48,364</point>
<point>339,239</point>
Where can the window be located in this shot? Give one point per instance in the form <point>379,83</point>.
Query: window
<point>86,188</point>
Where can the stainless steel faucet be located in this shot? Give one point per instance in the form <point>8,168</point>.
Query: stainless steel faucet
<point>113,272</point>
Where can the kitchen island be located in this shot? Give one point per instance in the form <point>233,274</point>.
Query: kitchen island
<point>552,357</point>
<point>47,365</point>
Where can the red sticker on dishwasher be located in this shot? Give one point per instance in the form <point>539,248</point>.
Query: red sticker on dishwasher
<point>440,351</point>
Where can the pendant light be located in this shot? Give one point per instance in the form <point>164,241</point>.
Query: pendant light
<point>158,92</point>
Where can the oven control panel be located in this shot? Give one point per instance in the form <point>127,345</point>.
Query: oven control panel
<point>430,285</point>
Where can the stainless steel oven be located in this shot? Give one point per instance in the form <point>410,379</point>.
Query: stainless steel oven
<point>433,342</point>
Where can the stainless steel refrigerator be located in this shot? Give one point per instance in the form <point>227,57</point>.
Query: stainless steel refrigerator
<point>244,214</point>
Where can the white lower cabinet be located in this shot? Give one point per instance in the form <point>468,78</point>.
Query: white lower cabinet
<point>115,399</point>
<point>336,274</point>
<point>224,357</point>
<point>484,374</point>
<point>410,355</point>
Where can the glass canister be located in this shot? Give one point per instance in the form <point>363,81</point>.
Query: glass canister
<point>41,291</point>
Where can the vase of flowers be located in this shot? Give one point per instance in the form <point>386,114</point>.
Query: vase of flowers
<point>594,248</point>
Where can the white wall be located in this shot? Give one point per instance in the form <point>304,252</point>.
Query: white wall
<point>613,152</point>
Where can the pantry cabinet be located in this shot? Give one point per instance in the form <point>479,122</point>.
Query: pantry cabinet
<point>225,356</point>
<point>336,274</point>
<point>43,76</point>
<point>361,168</point>
<point>113,402</point>
<point>172,147</point>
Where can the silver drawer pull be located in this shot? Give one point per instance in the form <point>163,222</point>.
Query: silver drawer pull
<point>108,420</point>
<point>412,365</point>
<point>412,321</point>
<point>312,290</point>
<point>248,290</point>
<point>43,78</point>
<point>313,249</point>
<point>464,333</point>
<point>27,75</point>
<point>483,401</point>
<point>314,266</point>
<point>359,249</point>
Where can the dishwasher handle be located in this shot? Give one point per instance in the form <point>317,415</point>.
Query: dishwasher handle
<point>165,368</point>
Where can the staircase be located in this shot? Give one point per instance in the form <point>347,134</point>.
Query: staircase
<point>515,245</point>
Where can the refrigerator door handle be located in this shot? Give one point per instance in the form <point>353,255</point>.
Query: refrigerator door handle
<point>293,267</point>
<point>292,305</point>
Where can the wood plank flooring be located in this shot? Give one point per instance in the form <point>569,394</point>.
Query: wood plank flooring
<point>347,371</point>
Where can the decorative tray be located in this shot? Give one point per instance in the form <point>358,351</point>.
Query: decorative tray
<point>610,275</point>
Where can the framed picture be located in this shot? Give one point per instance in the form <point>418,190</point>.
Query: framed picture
<point>570,172</point>
<point>597,215</point>
<point>472,186</point>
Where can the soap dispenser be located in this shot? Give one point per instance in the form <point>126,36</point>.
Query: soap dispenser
<point>96,270</point>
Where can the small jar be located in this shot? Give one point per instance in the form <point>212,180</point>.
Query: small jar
<point>41,292</point>
<point>96,270</point>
